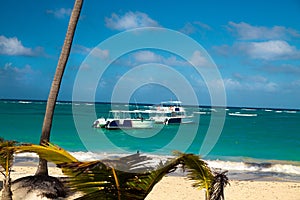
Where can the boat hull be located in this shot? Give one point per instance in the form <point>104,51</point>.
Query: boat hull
<point>129,124</point>
<point>179,120</point>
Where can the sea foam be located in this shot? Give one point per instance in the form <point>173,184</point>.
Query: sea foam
<point>236,166</point>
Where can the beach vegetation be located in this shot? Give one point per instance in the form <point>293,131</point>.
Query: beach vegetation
<point>220,180</point>
<point>6,162</point>
<point>129,177</point>
<point>198,171</point>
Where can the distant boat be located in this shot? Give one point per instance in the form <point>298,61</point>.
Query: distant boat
<point>170,112</point>
<point>242,114</point>
<point>123,119</point>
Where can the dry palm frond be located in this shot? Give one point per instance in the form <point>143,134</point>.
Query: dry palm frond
<point>219,183</point>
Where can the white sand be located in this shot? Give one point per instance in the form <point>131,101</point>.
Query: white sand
<point>179,188</point>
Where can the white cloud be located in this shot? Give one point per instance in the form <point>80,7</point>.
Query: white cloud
<point>245,31</point>
<point>13,46</point>
<point>97,52</point>
<point>10,67</point>
<point>188,28</point>
<point>232,84</point>
<point>223,50</point>
<point>130,20</point>
<point>147,57</point>
<point>174,61</point>
<point>81,49</point>
<point>269,50</point>
<point>283,68</point>
<point>296,84</point>
<point>193,27</point>
<point>199,60</point>
<point>250,83</point>
<point>203,25</point>
<point>11,73</point>
<point>60,13</point>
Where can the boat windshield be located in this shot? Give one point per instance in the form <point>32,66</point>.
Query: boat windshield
<point>171,103</point>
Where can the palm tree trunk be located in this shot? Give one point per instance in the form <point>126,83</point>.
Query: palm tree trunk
<point>6,192</point>
<point>45,136</point>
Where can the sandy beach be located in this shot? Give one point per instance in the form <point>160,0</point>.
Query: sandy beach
<point>179,188</point>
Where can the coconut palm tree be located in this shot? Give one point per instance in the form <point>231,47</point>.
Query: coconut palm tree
<point>47,124</point>
<point>6,162</point>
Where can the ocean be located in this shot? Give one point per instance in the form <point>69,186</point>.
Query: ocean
<point>254,143</point>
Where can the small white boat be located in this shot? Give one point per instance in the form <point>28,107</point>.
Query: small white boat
<point>243,114</point>
<point>122,119</point>
<point>170,112</point>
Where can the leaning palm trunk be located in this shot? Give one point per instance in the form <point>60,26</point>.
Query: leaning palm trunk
<point>45,136</point>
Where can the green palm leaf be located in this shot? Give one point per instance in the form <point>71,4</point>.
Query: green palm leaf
<point>107,179</point>
<point>48,152</point>
<point>6,155</point>
<point>198,171</point>
<point>146,183</point>
<point>128,177</point>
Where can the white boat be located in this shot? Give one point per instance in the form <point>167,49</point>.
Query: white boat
<point>243,114</point>
<point>122,119</point>
<point>170,112</point>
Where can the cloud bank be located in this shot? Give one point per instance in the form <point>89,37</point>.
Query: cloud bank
<point>245,31</point>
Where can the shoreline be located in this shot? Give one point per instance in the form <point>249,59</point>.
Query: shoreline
<point>247,169</point>
<point>179,187</point>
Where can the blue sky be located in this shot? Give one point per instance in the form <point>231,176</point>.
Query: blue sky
<point>254,44</point>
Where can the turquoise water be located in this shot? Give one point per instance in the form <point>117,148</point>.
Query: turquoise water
<point>267,135</point>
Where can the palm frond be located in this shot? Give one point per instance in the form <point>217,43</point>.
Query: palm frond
<point>146,183</point>
<point>107,179</point>
<point>6,155</point>
<point>198,171</point>
<point>87,177</point>
<point>219,183</point>
<point>48,152</point>
<point>132,163</point>
<point>129,177</point>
